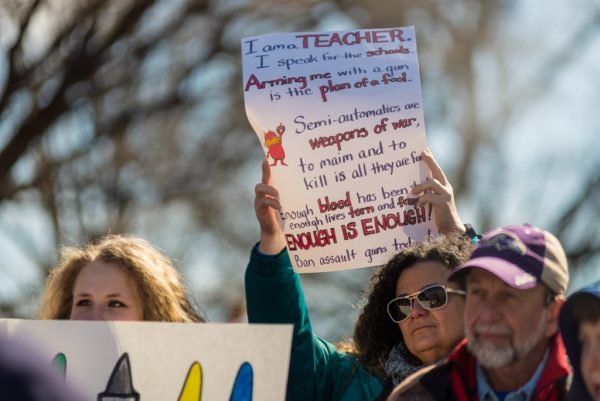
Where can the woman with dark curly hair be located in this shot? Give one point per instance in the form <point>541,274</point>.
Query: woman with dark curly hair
<point>413,315</point>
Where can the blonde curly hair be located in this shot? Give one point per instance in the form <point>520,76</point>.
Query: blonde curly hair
<point>163,295</point>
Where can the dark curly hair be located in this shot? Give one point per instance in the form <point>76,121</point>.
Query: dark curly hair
<point>375,334</point>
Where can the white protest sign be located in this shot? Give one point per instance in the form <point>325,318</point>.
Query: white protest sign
<point>163,361</point>
<point>341,120</point>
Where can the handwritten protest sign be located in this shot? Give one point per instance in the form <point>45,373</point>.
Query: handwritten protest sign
<point>341,120</point>
<point>163,361</point>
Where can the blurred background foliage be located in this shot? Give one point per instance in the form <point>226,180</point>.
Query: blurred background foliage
<point>128,116</point>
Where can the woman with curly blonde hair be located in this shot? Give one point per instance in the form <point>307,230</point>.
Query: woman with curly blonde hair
<point>118,277</point>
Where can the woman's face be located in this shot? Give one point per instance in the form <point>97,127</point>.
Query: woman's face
<point>104,291</point>
<point>430,335</point>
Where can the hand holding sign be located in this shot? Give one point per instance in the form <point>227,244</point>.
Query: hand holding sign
<point>266,207</point>
<point>340,118</point>
<point>438,193</point>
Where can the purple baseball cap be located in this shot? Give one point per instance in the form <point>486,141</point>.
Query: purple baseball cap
<point>522,256</point>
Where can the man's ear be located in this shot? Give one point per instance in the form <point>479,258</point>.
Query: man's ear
<point>555,308</point>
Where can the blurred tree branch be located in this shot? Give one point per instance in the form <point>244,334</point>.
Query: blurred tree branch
<point>116,112</point>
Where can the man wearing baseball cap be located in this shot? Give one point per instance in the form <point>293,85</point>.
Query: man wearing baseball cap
<point>515,282</point>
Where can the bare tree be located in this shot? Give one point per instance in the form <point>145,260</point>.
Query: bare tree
<point>127,116</point>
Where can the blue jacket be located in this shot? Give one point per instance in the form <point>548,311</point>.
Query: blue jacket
<point>570,332</point>
<point>317,371</point>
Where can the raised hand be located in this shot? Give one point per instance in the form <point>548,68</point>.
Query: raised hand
<point>438,193</point>
<point>266,207</point>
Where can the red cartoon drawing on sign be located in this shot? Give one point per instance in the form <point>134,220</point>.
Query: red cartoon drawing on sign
<point>274,146</point>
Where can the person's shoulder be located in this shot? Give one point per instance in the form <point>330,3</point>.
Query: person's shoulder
<point>412,384</point>
<point>355,377</point>
<point>24,375</point>
<point>418,386</point>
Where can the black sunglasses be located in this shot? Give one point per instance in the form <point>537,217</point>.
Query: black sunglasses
<point>431,298</point>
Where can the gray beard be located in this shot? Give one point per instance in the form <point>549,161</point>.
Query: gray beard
<point>493,356</point>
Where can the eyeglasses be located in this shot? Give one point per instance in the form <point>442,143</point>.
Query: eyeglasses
<point>431,298</point>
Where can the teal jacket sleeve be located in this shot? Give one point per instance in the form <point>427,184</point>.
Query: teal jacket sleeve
<point>317,371</point>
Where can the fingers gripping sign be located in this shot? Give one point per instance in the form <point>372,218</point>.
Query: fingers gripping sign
<point>266,207</point>
<point>438,193</point>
